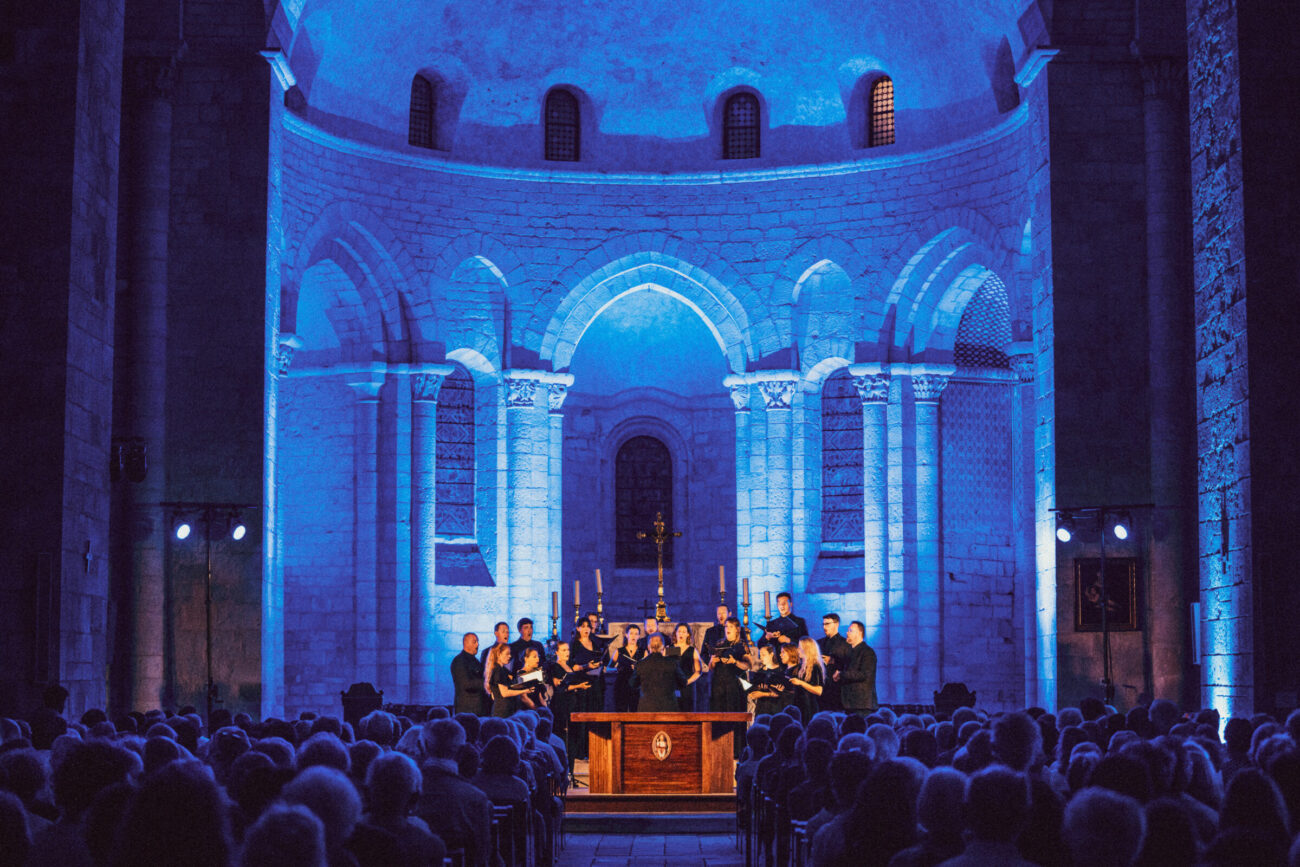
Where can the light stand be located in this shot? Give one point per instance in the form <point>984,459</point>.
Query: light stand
<point>228,516</point>
<point>1065,534</point>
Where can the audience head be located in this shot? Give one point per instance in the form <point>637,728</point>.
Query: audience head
<point>921,745</point>
<point>1103,828</point>
<point>500,756</point>
<point>286,835</point>
<point>440,739</point>
<point>847,770</point>
<point>885,739</point>
<point>393,783</point>
<point>1253,802</point>
<point>1170,835</point>
<point>324,749</point>
<point>940,804</point>
<point>1123,773</point>
<point>997,804</point>
<point>332,797</point>
<point>86,769</point>
<point>1017,741</point>
<point>178,816</point>
<point>14,831</point>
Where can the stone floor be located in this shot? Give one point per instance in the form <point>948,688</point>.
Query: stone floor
<point>650,850</point>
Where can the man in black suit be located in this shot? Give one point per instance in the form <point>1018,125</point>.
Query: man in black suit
<point>788,627</point>
<point>501,634</point>
<point>714,635</point>
<point>835,655</point>
<point>858,679</point>
<point>523,643</point>
<point>659,678</point>
<point>467,677</point>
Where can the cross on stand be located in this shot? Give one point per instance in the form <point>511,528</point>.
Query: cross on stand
<point>659,537</point>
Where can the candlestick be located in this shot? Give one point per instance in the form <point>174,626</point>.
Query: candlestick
<point>599,588</point>
<point>577,593</point>
<point>767,604</point>
<point>555,603</point>
<point>746,591</point>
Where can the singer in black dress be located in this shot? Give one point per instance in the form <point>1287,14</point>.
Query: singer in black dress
<point>688,661</point>
<point>588,655</point>
<point>729,661</point>
<point>625,660</point>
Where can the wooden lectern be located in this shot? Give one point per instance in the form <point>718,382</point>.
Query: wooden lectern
<point>661,753</point>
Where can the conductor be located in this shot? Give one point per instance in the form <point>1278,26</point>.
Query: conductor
<point>659,678</point>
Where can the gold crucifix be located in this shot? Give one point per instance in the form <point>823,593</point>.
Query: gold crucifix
<point>659,537</point>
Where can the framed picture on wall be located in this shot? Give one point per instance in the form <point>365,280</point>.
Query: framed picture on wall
<point>1123,613</point>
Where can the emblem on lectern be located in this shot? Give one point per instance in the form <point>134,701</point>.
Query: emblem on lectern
<point>661,745</point>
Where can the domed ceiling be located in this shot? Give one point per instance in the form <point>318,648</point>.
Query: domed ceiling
<point>650,72</point>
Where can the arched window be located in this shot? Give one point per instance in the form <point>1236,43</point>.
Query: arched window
<point>423,109</point>
<point>740,127</point>
<point>643,487</point>
<point>455,456</point>
<point>562,131</point>
<point>880,120</point>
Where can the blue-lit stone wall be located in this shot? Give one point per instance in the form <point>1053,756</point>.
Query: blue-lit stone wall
<point>648,292</point>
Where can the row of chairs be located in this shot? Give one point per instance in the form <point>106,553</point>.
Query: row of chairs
<point>767,834</point>
<point>516,840</point>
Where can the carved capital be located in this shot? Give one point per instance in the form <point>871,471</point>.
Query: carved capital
<point>521,392</point>
<point>739,397</point>
<point>367,390</point>
<point>425,386</point>
<point>285,347</point>
<point>777,394</point>
<point>1023,366</point>
<point>873,388</point>
<point>928,387</point>
<point>556,392</point>
<point>1163,77</point>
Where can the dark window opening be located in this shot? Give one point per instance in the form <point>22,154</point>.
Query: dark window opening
<point>740,127</point>
<point>454,480</point>
<point>562,126</point>
<point>423,106</point>
<point>643,487</point>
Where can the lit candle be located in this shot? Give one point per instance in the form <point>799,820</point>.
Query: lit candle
<point>576,595</point>
<point>767,604</point>
<point>599,588</point>
<point>555,603</point>
<point>722,580</point>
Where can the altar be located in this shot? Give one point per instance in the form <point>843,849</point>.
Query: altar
<point>676,759</point>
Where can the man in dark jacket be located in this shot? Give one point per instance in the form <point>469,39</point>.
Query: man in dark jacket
<point>453,808</point>
<point>659,677</point>
<point>467,677</point>
<point>525,642</point>
<point>835,655</point>
<point>858,678</point>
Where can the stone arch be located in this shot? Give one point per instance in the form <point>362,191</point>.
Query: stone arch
<point>368,251</point>
<point>431,315</point>
<point>823,324</point>
<point>732,310</point>
<point>933,286</point>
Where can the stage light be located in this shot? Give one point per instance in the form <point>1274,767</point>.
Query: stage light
<point>1064,528</point>
<point>238,531</point>
<point>1119,525</point>
<point>183,530</point>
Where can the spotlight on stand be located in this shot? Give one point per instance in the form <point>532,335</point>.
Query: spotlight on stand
<point>183,530</point>
<point>1119,525</point>
<point>1064,527</point>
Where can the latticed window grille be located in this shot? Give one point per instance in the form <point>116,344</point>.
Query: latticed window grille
<point>562,126</point>
<point>740,127</point>
<point>985,328</point>
<point>881,130</point>
<point>423,108</point>
<point>454,479</point>
<point>842,518</point>
<point>643,486</point>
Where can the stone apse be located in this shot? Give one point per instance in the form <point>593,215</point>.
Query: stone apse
<point>824,376</point>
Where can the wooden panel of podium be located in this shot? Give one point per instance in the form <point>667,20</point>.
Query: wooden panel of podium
<point>651,762</point>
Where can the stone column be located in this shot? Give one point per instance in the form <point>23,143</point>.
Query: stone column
<point>928,383</point>
<point>1025,602</point>
<point>738,388</point>
<point>425,673</point>
<point>280,349</point>
<point>1172,420</point>
<point>365,543</point>
<point>528,490</point>
<point>778,389</point>
<point>556,392</point>
<point>142,679</point>
<point>872,383</point>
